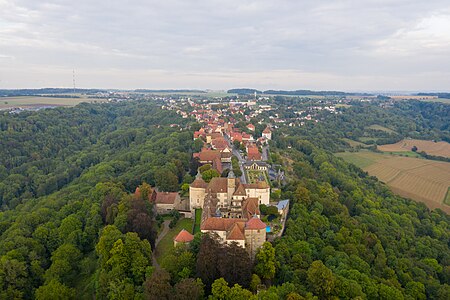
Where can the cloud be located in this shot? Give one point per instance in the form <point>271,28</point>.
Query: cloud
<point>348,44</point>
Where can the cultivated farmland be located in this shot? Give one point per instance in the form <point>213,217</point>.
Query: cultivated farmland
<point>430,147</point>
<point>422,180</point>
<point>35,101</point>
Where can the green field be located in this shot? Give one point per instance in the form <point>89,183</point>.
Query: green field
<point>447,197</point>
<point>165,246</point>
<point>30,101</point>
<point>381,128</point>
<point>198,220</point>
<point>354,144</point>
<point>361,159</point>
<point>405,153</point>
<point>365,139</point>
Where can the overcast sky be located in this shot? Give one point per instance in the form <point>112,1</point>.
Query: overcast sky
<point>370,45</point>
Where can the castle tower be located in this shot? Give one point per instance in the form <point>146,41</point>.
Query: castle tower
<point>197,191</point>
<point>231,185</point>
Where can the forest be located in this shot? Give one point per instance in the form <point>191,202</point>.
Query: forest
<point>72,227</point>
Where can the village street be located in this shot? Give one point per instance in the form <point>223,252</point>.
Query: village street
<point>239,157</point>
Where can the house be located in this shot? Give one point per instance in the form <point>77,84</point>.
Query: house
<point>163,201</point>
<point>253,152</point>
<point>219,143</point>
<point>166,201</point>
<point>184,237</point>
<point>212,136</point>
<point>267,133</point>
<point>282,206</point>
<point>247,137</point>
<point>236,136</point>
<point>251,127</point>
<point>255,165</point>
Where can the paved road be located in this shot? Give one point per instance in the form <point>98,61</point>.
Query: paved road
<point>163,233</point>
<point>239,157</point>
<point>265,153</point>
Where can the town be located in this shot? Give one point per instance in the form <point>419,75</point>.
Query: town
<point>235,187</point>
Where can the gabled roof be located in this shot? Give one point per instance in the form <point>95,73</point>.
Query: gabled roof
<point>184,237</point>
<point>282,204</point>
<point>166,197</point>
<point>250,207</point>
<point>254,156</point>
<point>236,232</point>
<point>267,130</point>
<point>220,224</point>
<point>207,155</point>
<point>259,163</point>
<point>240,191</point>
<point>254,224</point>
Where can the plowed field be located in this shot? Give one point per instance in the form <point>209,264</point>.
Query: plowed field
<point>422,180</point>
<point>430,147</point>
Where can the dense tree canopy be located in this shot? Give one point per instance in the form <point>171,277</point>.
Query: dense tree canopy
<point>71,225</point>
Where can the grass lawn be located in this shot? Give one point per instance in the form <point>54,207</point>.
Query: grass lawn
<point>198,220</point>
<point>165,246</point>
<point>447,197</point>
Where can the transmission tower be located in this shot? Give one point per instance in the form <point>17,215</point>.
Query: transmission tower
<point>73,79</point>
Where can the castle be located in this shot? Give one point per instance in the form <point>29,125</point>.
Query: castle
<point>231,209</point>
<point>227,193</point>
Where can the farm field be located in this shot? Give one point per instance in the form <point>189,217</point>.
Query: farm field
<point>33,101</point>
<point>354,143</point>
<point>430,147</point>
<point>422,180</point>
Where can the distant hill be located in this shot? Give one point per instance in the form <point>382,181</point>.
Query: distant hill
<point>439,95</point>
<point>169,91</point>
<point>37,92</point>
<point>243,91</point>
<point>295,93</point>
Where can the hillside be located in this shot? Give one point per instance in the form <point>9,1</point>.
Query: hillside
<point>72,225</point>
<point>419,179</point>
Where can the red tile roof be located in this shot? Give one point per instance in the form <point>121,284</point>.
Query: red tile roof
<point>184,237</point>
<point>254,156</point>
<point>254,224</point>
<point>250,207</point>
<point>207,155</point>
<point>240,191</point>
<point>236,232</point>
<point>199,183</point>
<point>220,224</point>
<point>166,197</point>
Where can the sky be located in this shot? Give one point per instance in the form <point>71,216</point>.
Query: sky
<point>365,45</point>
